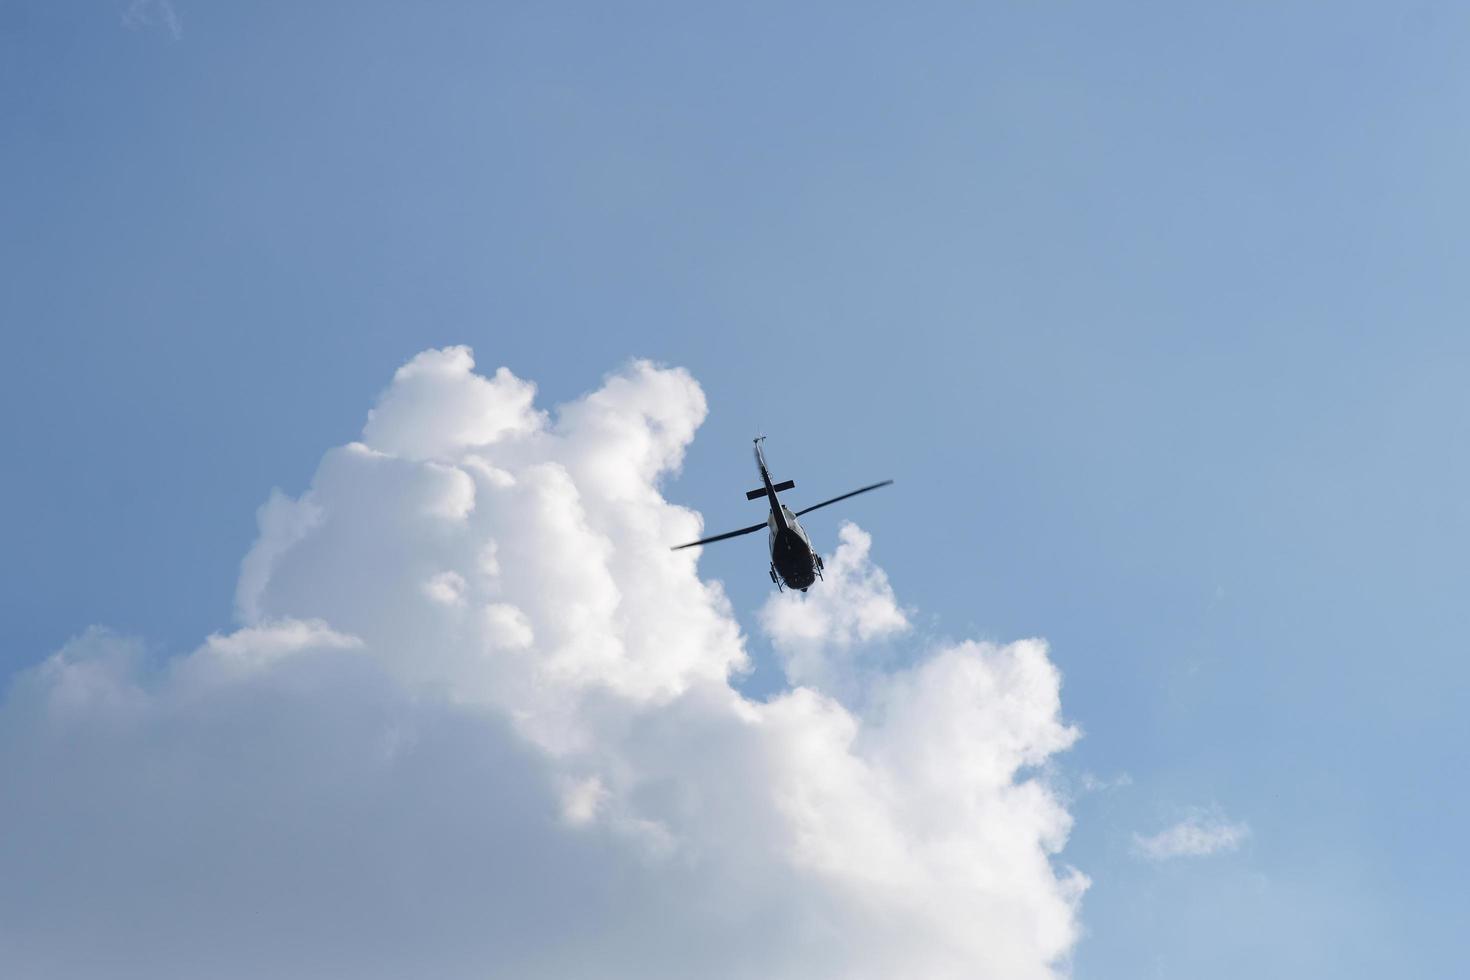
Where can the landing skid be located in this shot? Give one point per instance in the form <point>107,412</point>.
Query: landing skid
<point>776,579</point>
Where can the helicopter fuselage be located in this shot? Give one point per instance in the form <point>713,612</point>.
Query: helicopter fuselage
<point>793,561</point>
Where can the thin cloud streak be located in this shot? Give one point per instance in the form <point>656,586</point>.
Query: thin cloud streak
<point>1201,834</point>
<point>143,12</point>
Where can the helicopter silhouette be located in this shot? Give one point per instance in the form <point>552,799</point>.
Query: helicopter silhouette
<point>794,564</point>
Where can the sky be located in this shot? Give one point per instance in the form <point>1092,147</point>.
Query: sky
<point>1154,313</point>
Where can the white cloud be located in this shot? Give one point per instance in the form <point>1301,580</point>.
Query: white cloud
<point>438,406</point>
<point>477,720</point>
<point>820,633</point>
<point>257,648</point>
<point>446,588</point>
<point>1201,833</point>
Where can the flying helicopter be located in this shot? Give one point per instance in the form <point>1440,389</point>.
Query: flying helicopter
<point>794,564</point>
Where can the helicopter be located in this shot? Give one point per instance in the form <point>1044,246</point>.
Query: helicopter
<point>794,565</point>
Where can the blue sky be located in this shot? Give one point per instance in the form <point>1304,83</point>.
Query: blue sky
<point>1155,312</point>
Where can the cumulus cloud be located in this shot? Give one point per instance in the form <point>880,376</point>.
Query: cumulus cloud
<point>476,719</point>
<point>1202,832</point>
<point>822,634</point>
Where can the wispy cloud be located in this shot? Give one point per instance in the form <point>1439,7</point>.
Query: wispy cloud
<point>1202,833</point>
<point>1091,782</point>
<point>141,13</point>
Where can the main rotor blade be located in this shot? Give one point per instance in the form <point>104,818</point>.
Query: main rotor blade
<point>721,537</point>
<point>872,486</point>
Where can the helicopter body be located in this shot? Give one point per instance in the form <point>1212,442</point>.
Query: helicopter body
<point>794,563</point>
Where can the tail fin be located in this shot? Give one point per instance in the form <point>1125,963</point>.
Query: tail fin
<point>760,492</point>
